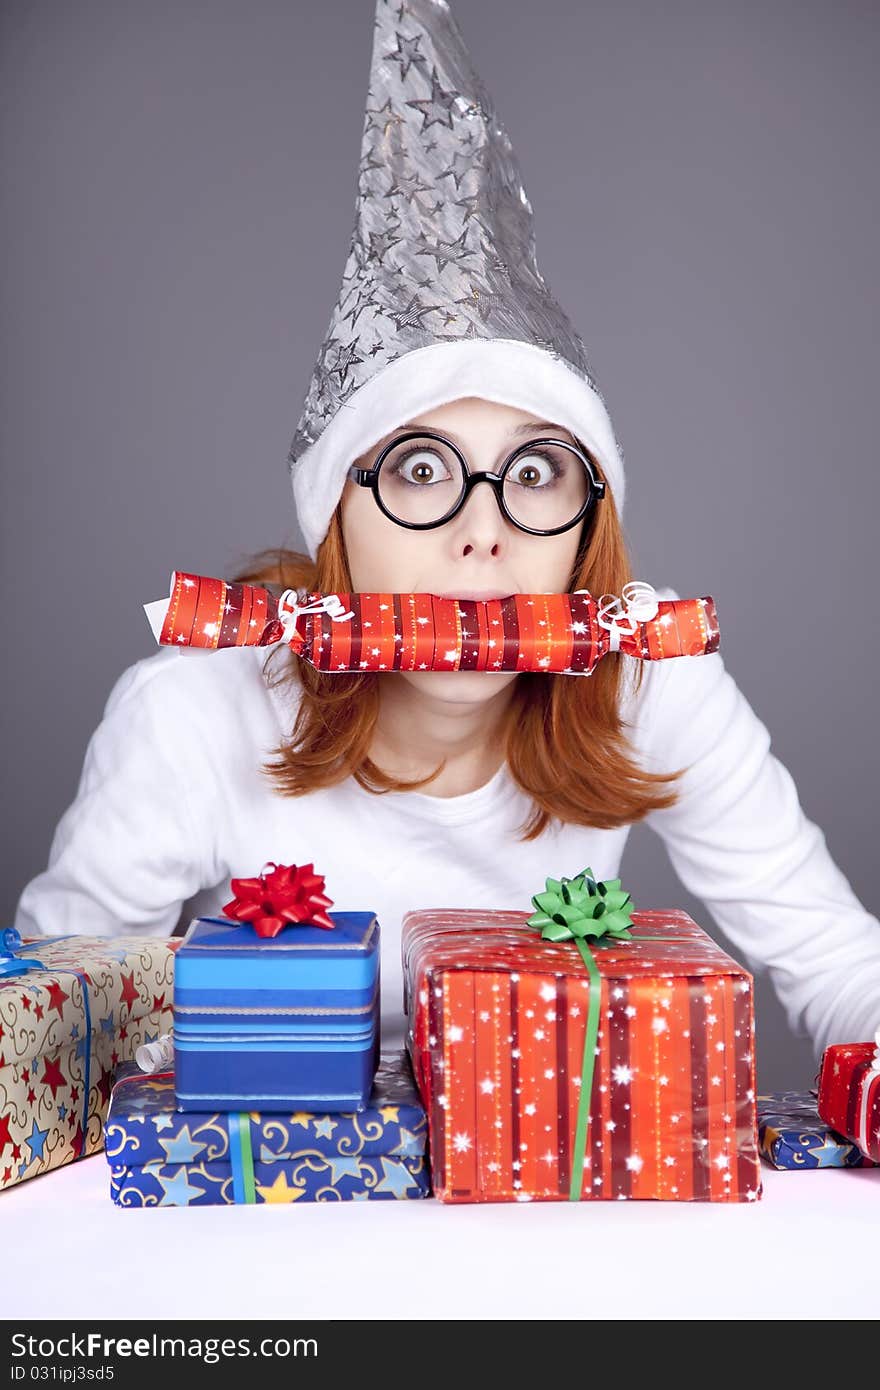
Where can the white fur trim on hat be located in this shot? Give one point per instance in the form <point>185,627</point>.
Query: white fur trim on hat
<point>505,370</point>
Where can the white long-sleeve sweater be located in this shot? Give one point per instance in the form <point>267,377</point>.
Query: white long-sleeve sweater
<point>172,804</point>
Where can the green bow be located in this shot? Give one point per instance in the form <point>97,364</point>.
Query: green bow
<point>574,909</point>
<point>581,907</point>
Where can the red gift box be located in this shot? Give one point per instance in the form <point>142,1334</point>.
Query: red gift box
<point>497,1021</point>
<point>849,1093</point>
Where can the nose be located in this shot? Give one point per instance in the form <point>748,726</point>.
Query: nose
<point>481,527</point>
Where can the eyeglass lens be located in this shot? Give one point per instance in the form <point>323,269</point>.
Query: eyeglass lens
<point>422,480</point>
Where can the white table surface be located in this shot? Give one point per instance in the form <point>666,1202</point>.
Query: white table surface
<point>807,1249</point>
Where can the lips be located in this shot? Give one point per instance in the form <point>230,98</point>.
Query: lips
<point>480,595</point>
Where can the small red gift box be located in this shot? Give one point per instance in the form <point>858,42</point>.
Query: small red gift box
<point>849,1093</point>
<point>497,1024</point>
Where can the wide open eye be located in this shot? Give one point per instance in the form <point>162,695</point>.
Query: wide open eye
<point>421,467</point>
<point>533,470</point>
<point>421,480</point>
<point>546,486</point>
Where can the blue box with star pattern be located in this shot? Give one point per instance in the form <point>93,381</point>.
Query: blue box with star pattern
<point>159,1156</point>
<point>276,1024</point>
<point>791,1134</point>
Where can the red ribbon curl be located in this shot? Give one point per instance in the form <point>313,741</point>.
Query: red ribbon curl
<point>278,899</point>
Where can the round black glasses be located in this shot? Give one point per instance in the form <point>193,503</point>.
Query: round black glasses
<point>422,480</point>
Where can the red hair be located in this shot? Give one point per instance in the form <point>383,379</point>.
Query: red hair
<point>563,736</point>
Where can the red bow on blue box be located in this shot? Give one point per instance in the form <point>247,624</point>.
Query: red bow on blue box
<point>284,895</point>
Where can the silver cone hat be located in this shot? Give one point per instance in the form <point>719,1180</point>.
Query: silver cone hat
<point>441,296</point>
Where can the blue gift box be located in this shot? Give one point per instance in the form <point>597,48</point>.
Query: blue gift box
<point>277,1024</point>
<point>791,1134</point>
<point>159,1156</point>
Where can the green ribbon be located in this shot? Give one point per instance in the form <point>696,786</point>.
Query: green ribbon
<point>578,908</point>
<point>241,1157</point>
<point>575,909</point>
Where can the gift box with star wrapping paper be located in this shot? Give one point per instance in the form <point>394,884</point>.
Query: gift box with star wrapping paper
<point>276,1004</point>
<point>72,1008</point>
<point>159,1156</point>
<point>575,1069</point>
<point>849,1093</point>
<point>792,1135</point>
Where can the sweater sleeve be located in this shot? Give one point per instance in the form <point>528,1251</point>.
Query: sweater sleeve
<point>739,841</point>
<point>127,852</point>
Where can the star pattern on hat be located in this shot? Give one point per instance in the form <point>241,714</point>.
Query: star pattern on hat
<point>446,252</point>
<point>438,107</point>
<point>443,245</point>
<point>407,52</point>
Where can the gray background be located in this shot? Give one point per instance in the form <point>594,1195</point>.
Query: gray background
<point>178,195</point>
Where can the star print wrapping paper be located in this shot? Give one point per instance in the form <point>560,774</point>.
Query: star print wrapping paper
<point>791,1134</point>
<point>160,1157</point>
<point>279,1023</point>
<point>849,1093</point>
<point>496,1023</point>
<point>64,1028</point>
<point>560,633</point>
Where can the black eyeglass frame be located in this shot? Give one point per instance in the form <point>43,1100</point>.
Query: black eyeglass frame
<point>369,477</point>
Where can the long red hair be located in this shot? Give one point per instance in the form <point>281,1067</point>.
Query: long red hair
<point>564,738</point>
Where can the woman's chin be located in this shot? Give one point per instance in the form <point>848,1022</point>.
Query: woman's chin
<point>466,687</point>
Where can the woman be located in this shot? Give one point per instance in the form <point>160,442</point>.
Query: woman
<point>446,355</point>
<point>173,799</point>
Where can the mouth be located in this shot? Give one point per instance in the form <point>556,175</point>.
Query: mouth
<point>479,595</point>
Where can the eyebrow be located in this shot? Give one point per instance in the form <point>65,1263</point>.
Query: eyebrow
<point>517,433</point>
<point>537,425</point>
